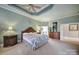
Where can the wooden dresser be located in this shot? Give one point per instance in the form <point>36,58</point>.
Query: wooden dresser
<point>10,40</point>
<point>54,35</point>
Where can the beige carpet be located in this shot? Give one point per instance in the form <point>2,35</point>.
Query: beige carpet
<point>53,47</point>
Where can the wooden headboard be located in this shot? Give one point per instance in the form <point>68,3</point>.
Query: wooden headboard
<point>28,30</point>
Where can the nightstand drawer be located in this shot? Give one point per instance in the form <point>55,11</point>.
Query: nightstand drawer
<point>10,40</point>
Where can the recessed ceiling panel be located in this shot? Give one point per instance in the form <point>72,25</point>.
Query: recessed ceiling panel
<point>33,9</point>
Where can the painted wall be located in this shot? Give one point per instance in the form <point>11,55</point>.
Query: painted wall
<point>73,19</point>
<point>67,34</point>
<point>19,22</point>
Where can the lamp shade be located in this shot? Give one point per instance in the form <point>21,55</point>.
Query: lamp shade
<point>10,28</point>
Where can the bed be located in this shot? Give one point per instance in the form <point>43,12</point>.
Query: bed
<point>32,39</point>
<point>27,30</point>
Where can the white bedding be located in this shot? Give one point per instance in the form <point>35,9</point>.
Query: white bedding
<point>35,40</point>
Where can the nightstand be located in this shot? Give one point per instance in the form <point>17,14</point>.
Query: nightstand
<point>10,39</point>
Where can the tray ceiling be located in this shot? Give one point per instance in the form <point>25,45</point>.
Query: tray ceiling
<point>33,9</point>
<point>45,12</point>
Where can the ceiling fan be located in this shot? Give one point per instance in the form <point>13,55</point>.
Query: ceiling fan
<point>32,7</point>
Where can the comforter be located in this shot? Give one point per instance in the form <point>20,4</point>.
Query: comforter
<point>35,40</point>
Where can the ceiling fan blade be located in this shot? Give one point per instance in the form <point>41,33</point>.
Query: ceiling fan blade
<point>33,9</point>
<point>36,6</point>
<point>29,9</point>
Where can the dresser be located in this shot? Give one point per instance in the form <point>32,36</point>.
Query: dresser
<point>54,35</point>
<point>9,39</point>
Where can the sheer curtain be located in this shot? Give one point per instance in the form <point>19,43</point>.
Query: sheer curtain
<point>44,30</point>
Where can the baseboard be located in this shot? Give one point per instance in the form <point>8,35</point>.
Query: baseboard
<point>1,45</point>
<point>70,38</point>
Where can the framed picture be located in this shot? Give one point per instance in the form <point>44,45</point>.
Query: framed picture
<point>73,27</point>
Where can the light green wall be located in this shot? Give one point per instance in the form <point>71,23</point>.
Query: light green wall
<point>19,22</point>
<point>73,19</point>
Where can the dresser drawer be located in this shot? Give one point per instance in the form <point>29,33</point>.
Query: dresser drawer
<point>10,40</point>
